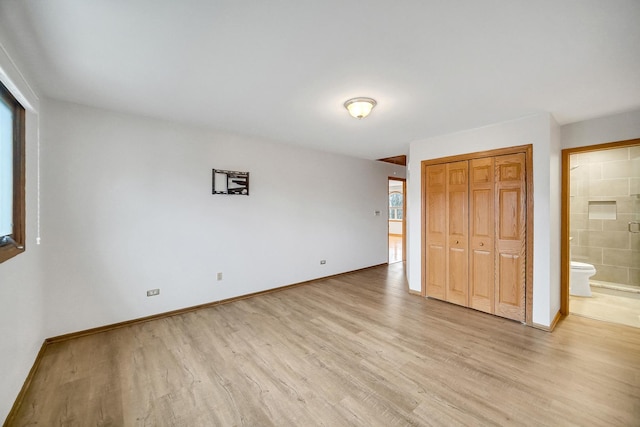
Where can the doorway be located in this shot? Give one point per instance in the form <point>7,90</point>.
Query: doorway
<point>397,221</point>
<point>601,232</point>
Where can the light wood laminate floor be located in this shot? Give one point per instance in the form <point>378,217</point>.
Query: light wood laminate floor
<point>606,307</point>
<point>395,248</point>
<point>351,350</point>
<point>608,303</point>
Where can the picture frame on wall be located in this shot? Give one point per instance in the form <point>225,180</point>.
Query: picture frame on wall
<point>230,182</point>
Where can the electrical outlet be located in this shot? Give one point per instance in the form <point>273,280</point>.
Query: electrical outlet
<point>219,276</point>
<point>323,261</point>
<point>153,292</point>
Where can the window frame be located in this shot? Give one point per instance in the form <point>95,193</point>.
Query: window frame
<point>396,209</point>
<point>10,249</point>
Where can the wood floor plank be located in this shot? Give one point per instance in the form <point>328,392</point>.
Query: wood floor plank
<point>350,350</point>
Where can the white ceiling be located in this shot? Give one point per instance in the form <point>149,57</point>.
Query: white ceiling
<point>281,69</point>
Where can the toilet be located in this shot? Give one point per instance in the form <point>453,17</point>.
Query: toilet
<point>579,279</point>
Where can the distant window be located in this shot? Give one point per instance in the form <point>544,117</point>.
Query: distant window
<point>395,205</point>
<point>12,165</point>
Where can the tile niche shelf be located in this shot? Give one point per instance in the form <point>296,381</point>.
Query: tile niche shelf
<point>602,210</point>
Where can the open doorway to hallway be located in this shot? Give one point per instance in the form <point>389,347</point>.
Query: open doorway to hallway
<point>397,221</point>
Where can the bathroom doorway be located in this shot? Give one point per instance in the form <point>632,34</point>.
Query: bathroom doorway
<point>601,232</point>
<point>397,220</point>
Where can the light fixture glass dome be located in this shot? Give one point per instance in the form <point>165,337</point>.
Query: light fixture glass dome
<point>360,107</point>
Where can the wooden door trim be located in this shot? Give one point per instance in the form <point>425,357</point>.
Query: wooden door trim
<point>528,313</point>
<point>404,219</point>
<point>564,213</point>
<point>423,222</point>
<point>528,150</point>
<point>479,155</point>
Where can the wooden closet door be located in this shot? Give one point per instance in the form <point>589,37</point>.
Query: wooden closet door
<point>481,235</point>
<point>510,202</point>
<point>436,220</point>
<point>457,290</point>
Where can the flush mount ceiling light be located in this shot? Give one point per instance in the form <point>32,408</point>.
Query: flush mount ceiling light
<point>360,107</point>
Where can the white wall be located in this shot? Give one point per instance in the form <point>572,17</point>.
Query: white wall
<point>538,130</point>
<point>618,127</point>
<point>554,215</point>
<point>21,285</point>
<point>395,227</point>
<point>127,206</point>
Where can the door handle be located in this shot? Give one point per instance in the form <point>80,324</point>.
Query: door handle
<point>633,229</point>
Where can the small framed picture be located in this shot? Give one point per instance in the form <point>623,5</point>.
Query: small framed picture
<point>230,182</point>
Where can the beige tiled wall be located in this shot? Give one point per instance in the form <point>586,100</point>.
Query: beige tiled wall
<point>607,175</point>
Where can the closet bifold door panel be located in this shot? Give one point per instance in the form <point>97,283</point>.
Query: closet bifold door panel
<point>510,223</point>
<point>457,213</point>
<point>481,235</point>
<point>475,223</point>
<point>436,231</point>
